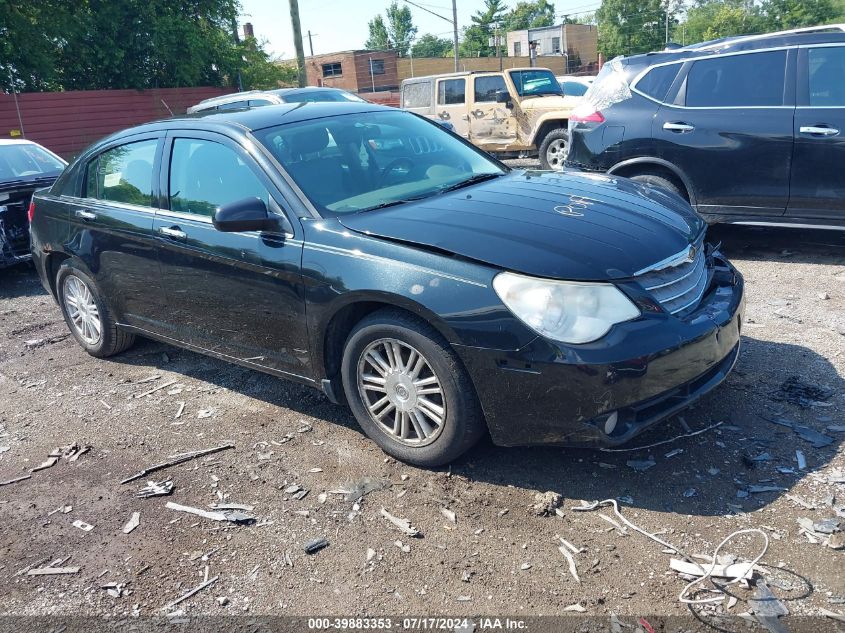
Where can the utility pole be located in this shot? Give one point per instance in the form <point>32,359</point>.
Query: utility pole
<point>310,43</point>
<point>237,41</point>
<point>667,23</point>
<point>297,42</point>
<point>455,33</point>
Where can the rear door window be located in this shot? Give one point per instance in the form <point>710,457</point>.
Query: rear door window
<point>753,79</point>
<point>416,95</point>
<point>487,87</point>
<point>123,174</point>
<point>827,76</point>
<point>657,81</point>
<point>451,91</point>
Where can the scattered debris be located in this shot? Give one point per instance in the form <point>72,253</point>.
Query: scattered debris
<point>766,607</point>
<point>800,502</point>
<point>179,459</point>
<point>738,570</point>
<point>82,525</point>
<point>403,524</point>
<point>802,461</point>
<point>450,516</point>
<point>576,608</point>
<point>15,480</point>
<point>179,411</point>
<point>674,453</point>
<point>755,489</point>
<point>571,560</point>
<point>154,389</point>
<point>690,492</point>
<point>832,614</point>
<point>353,491</point>
<point>115,589</point>
<point>315,545</point>
<point>133,522</point>
<point>232,506</point>
<point>233,516</point>
<point>371,554</point>
<point>205,413</point>
<point>641,465</point>
<point>49,571</point>
<point>193,591</point>
<point>795,391</point>
<point>826,526</point>
<point>404,547</point>
<point>816,439</point>
<point>156,489</point>
<point>545,503</point>
<point>525,566</point>
<point>222,600</point>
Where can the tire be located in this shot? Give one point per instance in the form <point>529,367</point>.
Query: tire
<point>554,148</point>
<point>462,423</point>
<point>72,284</point>
<point>658,180</point>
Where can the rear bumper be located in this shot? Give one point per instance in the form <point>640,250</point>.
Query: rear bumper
<point>643,371</point>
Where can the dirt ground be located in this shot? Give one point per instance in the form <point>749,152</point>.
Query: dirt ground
<point>497,557</point>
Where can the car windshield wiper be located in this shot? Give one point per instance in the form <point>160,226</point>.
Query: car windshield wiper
<point>470,181</point>
<point>393,203</point>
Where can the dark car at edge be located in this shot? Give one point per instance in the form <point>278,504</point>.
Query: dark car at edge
<point>748,129</point>
<point>367,252</point>
<point>24,167</point>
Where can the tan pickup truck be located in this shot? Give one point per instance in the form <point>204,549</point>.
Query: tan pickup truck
<point>520,110</point>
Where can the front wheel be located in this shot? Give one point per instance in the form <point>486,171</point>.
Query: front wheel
<point>554,148</point>
<point>408,390</point>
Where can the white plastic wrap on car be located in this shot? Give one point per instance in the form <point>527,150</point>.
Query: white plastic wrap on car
<point>610,87</point>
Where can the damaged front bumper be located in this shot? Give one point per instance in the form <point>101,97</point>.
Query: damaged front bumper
<point>14,234</point>
<point>607,392</point>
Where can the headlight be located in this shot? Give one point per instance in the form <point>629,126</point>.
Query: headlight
<point>565,311</point>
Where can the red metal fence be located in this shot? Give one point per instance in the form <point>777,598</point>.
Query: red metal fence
<point>67,122</point>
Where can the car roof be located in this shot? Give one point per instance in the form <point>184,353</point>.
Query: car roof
<point>16,141</point>
<point>465,73</point>
<point>830,33</point>
<point>251,119</point>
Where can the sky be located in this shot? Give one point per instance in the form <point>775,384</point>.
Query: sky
<point>338,25</point>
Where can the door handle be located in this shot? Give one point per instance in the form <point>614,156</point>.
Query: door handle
<point>173,232</point>
<point>82,214</point>
<point>818,130</point>
<point>678,127</point>
<point>444,116</point>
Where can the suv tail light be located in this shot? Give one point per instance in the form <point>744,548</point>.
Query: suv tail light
<point>592,117</point>
<point>30,213</point>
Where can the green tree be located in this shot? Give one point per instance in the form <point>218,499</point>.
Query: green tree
<point>628,27</point>
<point>397,32</point>
<point>400,26</point>
<point>712,19</point>
<point>476,37</point>
<point>789,14</point>
<point>527,15</point>
<point>431,46</point>
<point>262,72</point>
<point>379,39</point>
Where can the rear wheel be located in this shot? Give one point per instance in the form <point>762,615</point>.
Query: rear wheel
<point>408,390</point>
<point>87,315</point>
<point>658,180</point>
<point>554,148</point>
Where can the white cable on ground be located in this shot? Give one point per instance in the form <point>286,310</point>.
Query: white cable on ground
<point>706,572</point>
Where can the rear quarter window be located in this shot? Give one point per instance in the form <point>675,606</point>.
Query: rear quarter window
<point>416,95</point>
<point>657,81</point>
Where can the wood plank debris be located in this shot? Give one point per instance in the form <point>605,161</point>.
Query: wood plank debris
<point>50,571</point>
<point>190,593</point>
<point>181,459</point>
<point>133,522</point>
<point>737,570</point>
<point>233,516</point>
<point>154,389</point>
<point>403,524</point>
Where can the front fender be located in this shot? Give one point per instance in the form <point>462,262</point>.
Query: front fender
<point>543,121</point>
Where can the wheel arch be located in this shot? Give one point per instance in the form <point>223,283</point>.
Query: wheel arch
<point>345,315</point>
<point>637,165</point>
<point>546,125</point>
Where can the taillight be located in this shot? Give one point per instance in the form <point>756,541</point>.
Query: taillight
<point>30,213</point>
<point>592,117</point>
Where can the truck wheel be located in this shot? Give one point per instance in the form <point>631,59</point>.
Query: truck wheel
<point>554,148</point>
<point>408,390</point>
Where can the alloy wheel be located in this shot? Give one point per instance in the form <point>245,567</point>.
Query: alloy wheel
<point>82,309</point>
<point>556,153</point>
<point>401,392</point>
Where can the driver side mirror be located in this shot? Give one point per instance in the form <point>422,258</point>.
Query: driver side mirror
<point>503,96</point>
<point>249,214</point>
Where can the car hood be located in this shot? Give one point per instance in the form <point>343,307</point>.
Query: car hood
<point>556,225</point>
<point>550,102</point>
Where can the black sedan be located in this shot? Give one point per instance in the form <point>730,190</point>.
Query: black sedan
<point>24,167</point>
<point>369,253</point>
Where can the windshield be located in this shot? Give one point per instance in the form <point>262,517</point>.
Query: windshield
<point>535,82</point>
<point>359,162</point>
<point>27,160</point>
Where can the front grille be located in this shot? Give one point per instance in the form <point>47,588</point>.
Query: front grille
<point>678,283</point>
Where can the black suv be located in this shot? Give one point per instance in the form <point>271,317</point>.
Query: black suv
<point>748,129</point>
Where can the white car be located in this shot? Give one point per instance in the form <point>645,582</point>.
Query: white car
<point>575,85</point>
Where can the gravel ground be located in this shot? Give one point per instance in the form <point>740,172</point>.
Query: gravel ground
<point>497,555</point>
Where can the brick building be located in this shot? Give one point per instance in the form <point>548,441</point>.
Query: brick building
<point>576,43</point>
<point>356,71</point>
